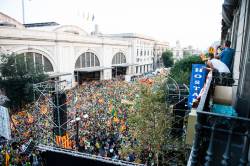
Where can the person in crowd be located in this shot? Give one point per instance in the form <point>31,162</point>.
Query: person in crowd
<point>227,55</point>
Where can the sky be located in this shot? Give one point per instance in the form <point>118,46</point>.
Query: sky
<point>192,22</point>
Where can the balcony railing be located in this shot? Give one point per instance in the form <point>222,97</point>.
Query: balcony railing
<point>219,139</point>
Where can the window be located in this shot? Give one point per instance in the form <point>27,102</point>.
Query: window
<point>119,58</point>
<point>87,59</point>
<point>34,61</point>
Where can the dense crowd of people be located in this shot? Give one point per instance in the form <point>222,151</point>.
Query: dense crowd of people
<point>102,107</point>
<point>14,154</point>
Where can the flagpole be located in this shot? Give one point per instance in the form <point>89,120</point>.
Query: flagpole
<point>23,11</point>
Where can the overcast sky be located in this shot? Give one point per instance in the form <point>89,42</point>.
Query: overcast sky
<point>192,22</point>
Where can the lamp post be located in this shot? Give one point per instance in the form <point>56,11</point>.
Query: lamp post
<point>77,131</point>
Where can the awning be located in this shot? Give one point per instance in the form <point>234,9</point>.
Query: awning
<point>58,74</point>
<point>228,8</point>
<point>92,69</point>
<point>123,65</point>
<point>136,74</point>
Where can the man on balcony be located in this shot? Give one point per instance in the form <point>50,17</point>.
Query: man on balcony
<point>227,55</point>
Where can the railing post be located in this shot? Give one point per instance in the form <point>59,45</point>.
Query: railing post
<point>244,158</point>
<point>226,155</point>
<point>209,156</point>
<point>195,150</point>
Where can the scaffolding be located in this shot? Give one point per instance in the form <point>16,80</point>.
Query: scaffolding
<point>46,95</point>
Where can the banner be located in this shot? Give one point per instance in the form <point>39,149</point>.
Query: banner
<point>196,82</point>
<point>5,123</point>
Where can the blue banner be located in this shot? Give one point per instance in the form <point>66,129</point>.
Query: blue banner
<point>197,80</point>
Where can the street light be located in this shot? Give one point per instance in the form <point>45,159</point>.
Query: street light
<point>77,119</point>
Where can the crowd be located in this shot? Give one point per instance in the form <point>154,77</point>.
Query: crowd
<point>13,154</point>
<point>102,107</point>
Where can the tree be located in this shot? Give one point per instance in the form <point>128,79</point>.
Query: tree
<point>186,53</point>
<point>181,71</point>
<point>167,57</point>
<point>17,79</point>
<point>150,124</point>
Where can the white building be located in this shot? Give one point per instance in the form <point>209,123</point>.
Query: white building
<point>146,51</point>
<point>67,52</point>
<point>177,51</point>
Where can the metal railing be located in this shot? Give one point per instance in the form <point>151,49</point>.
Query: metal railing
<point>219,139</point>
<point>86,155</point>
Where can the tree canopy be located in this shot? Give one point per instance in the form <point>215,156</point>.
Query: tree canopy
<point>151,124</point>
<point>181,71</point>
<point>17,79</point>
<point>167,57</point>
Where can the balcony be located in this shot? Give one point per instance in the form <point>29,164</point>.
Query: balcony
<point>221,138</point>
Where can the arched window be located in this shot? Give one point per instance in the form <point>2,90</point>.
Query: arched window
<point>119,58</point>
<point>87,59</point>
<point>34,61</point>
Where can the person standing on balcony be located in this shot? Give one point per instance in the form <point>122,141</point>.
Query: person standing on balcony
<point>227,55</point>
<point>216,64</point>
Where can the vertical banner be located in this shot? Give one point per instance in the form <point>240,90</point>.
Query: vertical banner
<point>196,82</point>
<point>5,123</point>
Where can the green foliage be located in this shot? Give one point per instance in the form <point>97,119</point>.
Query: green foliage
<point>181,71</point>
<point>186,53</point>
<point>151,126</point>
<point>167,57</point>
<point>17,79</point>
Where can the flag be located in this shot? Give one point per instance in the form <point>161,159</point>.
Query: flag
<point>30,119</point>
<point>7,158</point>
<point>43,109</point>
<point>114,112</point>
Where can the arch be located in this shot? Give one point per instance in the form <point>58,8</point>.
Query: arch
<point>119,58</point>
<point>87,59</point>
<point>71,29</point>
<point>35,61</point>
<point>35,49</point>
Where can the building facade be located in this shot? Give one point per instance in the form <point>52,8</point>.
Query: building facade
<point>146,51</point>
<point>177,51</point>
<point>67,52</point>
<point>222,138</point>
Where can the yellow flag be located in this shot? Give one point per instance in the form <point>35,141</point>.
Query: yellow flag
<point>7,158</point>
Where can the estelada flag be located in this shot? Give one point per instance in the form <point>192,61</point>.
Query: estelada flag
<point>43,109</point>
<point>116,120</point>
<point>101,100</point>
<point>14,120</point>
<point>30,118</point>
<point>22,113</point>
<point>7,158</point>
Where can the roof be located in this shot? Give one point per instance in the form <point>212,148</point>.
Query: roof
<point>92,69</point>
<point>58,74</point>
<point>41,24</point>
<point>7,21</point>
<point>130,35</point>
<point>123,65</point>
